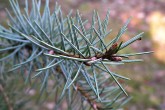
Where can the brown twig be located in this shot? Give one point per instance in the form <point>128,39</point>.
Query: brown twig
<point>90,100</point>
<point>6,98</point>
<point>109,54</point>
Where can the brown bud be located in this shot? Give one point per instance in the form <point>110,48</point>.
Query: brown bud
<point>139,38</point>
<point>114,46</point>
<point>93,58</point>
<point>87,64</point>
<point>51,52</point>
<point>116,59</point>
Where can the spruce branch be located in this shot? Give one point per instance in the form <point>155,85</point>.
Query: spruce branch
<point>51,44</point>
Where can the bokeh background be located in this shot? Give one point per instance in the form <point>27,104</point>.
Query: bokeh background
<point>147,85</point>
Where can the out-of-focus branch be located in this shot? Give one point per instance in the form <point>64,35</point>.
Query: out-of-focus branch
<point>6,98</point>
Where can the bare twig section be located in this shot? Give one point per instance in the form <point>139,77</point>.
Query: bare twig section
<point>90,100</point>
<point>6,98</point>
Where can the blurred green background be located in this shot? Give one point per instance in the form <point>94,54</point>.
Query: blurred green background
<point>147,84</point>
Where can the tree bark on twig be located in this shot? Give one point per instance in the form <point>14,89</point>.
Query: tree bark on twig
<point>6,98</point>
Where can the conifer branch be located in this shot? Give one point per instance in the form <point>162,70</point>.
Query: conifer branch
<point>46,44</point>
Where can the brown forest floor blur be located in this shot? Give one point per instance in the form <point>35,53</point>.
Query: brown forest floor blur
<point>147,85</point>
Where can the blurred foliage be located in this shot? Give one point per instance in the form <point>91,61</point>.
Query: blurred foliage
<point>157,29</point>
